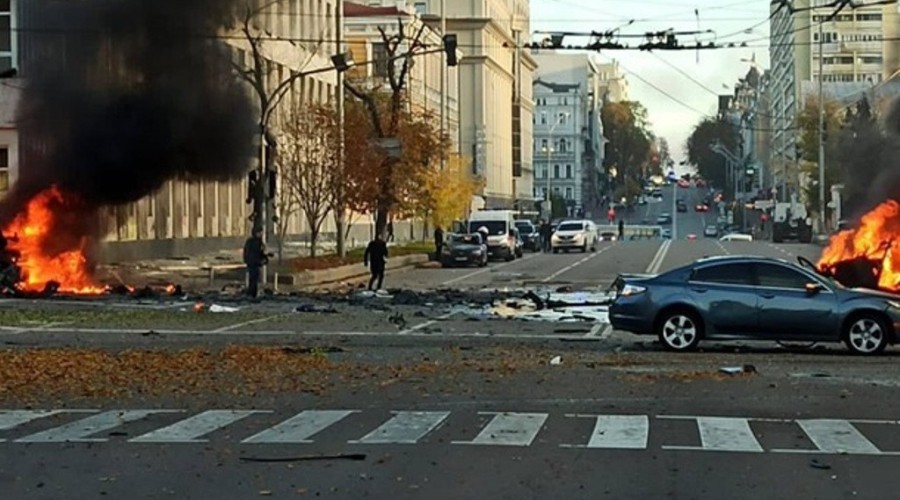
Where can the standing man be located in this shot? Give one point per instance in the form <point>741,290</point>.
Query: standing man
<point>376,258</point>
<point>545,231</point>
<point>254,258</point>
<point>621,229</point>
<point>438,241</point>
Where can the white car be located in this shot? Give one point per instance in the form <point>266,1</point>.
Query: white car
<point>736,237</point>
<point>572,234</point>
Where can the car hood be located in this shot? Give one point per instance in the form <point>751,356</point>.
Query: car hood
<point>868,293</point>
<point>570,233</point>
<point>464,247</point>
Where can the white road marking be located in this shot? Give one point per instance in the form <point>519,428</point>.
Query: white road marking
<point>251,322</point>
<point>299,428</point>
<point>487,270</point>
<point>723,434</point>
<point>509,429</point>
<point>837,436</point>
<point>629,432</point>
<point>727,252</point>
<point>14,418</point>
<point>21,330</point>
<point>191,429</point>
<point>576,264</point>
<point>657,260</point>
<point>596,330</point>
<point>405,427</point>
<point>425,324</point>
<point>80,430</point>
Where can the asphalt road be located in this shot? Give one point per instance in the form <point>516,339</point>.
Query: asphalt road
<point>443,400</point>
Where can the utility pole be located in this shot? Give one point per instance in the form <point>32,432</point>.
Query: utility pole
<point>443,80</point>
<point>822,228</point>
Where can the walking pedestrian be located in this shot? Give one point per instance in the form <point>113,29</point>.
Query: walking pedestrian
<point>254,258</point>
<point>546,232</point>
<point>375,259</point>
<point>390,230</point>
<point>621,229</point>
<point>438,241</point>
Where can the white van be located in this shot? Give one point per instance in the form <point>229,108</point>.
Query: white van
<point>499,224</point>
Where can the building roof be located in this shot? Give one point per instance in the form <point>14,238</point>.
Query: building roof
<point>359,10</point>
<point>558,87</point>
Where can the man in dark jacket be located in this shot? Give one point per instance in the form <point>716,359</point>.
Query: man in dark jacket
<point>546,232</point>
<point>438,241</point>
<point>254,257</point>
<point>375,258</point>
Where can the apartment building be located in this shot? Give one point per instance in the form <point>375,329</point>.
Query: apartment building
<point>362,25</point>
<point>496,104</point>
<point>182,217</point>
<point>569,91</point>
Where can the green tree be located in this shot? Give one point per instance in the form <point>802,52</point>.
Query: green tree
<point>558,206</point>
<point>711,165</point>
<point>626,128</point>
<point>808,123</point>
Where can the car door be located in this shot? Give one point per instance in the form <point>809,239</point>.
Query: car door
<point>726,297</point>
<point>787,309</point>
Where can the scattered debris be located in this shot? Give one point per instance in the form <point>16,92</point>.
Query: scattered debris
<point>815,464</point>
<point>398,320</point>
<point>312,308</point>
<point>302,458</point>
<point>556,360</point>
<point>216,308</point>
<point>735,370</point>
<point>151,333</point>
<point>311,350</point>
<point>406,298</point>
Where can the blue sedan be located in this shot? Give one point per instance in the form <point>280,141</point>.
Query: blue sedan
<point>752,298</point>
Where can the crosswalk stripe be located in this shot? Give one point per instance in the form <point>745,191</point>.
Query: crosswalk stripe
<point>80,430</point>
<point>300,427</point>
<point>405,427</point>
<point>723,434</point>
<point>191,429</point>
<point>509,429</point>
<point>14,418</point>
<point>618,431</point>
<point>837,436</point>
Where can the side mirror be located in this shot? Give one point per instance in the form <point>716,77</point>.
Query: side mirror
<point>813,288</point>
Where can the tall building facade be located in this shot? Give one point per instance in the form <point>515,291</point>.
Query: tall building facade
<point>182,217</point>
<point>570,90</point>
<point>496,105</point>
<point>365,43</point>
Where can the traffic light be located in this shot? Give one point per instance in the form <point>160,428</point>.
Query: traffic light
<point>450,49</point>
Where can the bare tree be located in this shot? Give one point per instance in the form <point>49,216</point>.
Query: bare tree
<point>400,48</point>
<point>308,155</point>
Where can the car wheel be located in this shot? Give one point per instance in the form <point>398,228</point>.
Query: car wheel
<point>866,334</point>
<point>555,250</point>
<point>680,330</point>
<point>584,248</point>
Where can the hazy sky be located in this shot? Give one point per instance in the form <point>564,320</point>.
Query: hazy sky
<point>672,116</point>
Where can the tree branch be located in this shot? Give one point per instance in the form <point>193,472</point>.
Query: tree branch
<point>370,104</point>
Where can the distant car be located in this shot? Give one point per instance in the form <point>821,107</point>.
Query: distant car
<point>666,234</point>
<point>736,237</point>
<point>531,238</point>
<point>681,207</point>
<point>664,218</point>
<point>464,250</point>
<point>608,236</point>
<point>642,200</point>
<point>575,234</point>
<point>752,298</point>
<point>691,237</point>
<point>710,231</point>
<point>701,207</point>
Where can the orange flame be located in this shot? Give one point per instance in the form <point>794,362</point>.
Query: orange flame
<point>28,235</point>
<point>872,240</point>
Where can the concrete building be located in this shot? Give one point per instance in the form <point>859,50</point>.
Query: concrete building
<point>750,111</point>
<point>569,90</point>
<point>365,43</point>
<point>183,217</point>
<point>496,104</point>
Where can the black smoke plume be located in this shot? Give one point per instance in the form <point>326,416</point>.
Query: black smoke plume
<point>123,95</point>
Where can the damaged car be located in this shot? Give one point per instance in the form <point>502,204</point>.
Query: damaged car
<point>464,250</point>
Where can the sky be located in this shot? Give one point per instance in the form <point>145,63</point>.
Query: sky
<point>680,99</point>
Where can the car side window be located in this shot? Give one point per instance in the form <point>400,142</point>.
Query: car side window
<point>731,274</point>
<point>775,276</point>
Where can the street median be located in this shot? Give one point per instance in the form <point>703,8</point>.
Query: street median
<point>324,276</point>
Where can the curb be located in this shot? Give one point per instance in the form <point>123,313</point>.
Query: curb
<point>324,276</point>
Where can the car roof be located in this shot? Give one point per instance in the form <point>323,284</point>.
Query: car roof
<point>719,259</point>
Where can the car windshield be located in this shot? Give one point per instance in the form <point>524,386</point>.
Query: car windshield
<point>525,227</point>
<point>571,226</point>
<point>494,227</point>
<point>465,239</point>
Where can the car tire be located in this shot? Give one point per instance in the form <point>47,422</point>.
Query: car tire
<point>679,330</point>
<point>555,250</point>
<point>584,249</point>
<point>865,334</point>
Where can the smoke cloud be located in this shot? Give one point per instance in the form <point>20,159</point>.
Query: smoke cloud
<point>123,95</point>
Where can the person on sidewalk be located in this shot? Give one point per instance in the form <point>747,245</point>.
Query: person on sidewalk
<point>438,241</point>
<point>375,259</point>
<point>621,229</point>
<point>254,258</point>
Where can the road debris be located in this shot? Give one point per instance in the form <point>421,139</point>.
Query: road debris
<point>556,360</point>
<point>736,370</point>
<point>815,464</point>
<point>312,308</point>
<point>216,308</point>
<point>305,458</point>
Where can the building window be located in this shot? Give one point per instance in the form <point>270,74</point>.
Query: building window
<point>562,118</point>
<point>565,101</point>
<point>561,146</point>
<point>380,58</point>
<point>4,169</point>
<point>543,117</point>
<point>421,7</point>
<point>7,36</point>
<point>556,190</point>
<point>570,193</point>
<point>568,171</point>
<point>544,145</point>
<point>556,171</point>
<point>868,17</point>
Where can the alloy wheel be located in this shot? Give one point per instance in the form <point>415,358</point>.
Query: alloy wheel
<point>866,336</point>
<point>679,332</point>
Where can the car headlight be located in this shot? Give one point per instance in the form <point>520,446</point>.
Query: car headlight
<point>894,304</point>
<point>476,252</point>
<point>630,290</point>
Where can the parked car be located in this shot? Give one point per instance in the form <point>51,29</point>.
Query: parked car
<point>464,249</point>
<point>531,238</point>
<point>710,231</point>
<point>666,234</point>
<point>680,206</point>
<point>758,298</point>
<point>574,234</point>
<point>701,207</point>
<point>664,218</point>
<point>498,223</point>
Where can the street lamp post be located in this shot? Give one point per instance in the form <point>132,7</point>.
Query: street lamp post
<point>822,228</point>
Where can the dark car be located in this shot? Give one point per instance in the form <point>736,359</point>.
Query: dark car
<point>528,232</point>
<point>465,250</point>
<point>664,218</point>
<point>681,206</point>
<point>735,297</point>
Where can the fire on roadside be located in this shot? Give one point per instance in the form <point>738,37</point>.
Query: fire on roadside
<point>867,256</point>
